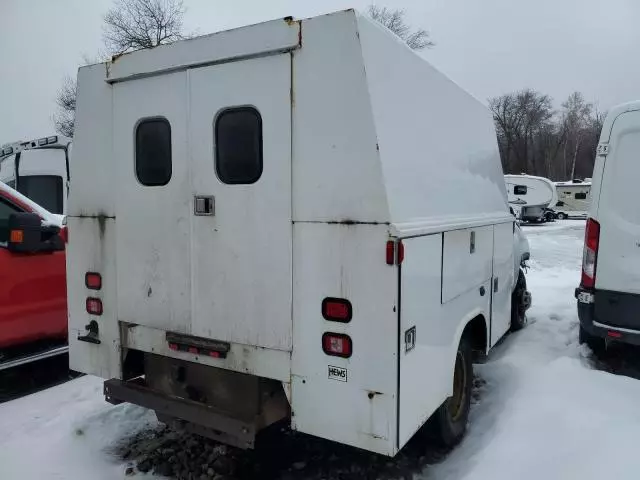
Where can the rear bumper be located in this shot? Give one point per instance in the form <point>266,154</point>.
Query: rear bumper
<point>611,315</point>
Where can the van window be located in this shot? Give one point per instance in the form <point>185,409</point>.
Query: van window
<point>6,209</point>
<point>520,190</point>
<point>45,190</point>
<point>153,152</point>
<point>580,196</point>
<point>238,145</point>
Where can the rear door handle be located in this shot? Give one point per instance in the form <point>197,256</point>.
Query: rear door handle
<point>495,284</point>
<point>204,205</point>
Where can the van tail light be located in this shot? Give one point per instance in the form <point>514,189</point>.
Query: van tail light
<point>94,306</point>
<point>64,234</point>
<point>93,281</point>
<point>337,310</point>
<point>395,252</point>
<point>590,254</point>
<point>337,345</point>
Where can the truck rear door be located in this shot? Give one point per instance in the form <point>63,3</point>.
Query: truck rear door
<point>240,156</point>
<point>204,201</point>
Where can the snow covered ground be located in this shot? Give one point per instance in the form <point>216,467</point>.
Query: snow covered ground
<point>544,411</point>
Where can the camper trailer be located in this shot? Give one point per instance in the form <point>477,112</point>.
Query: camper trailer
<point>573,198</point>
<point>275,223</point>
<point>39,170</point>
<point>531,197</point>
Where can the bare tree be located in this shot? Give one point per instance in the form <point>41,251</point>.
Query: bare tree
<point>136,24</point>
<point>129,25</point>
<point>64,120</point>
<point>577,117</point>
<point>394,20</point>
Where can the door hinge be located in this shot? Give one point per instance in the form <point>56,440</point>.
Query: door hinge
<point>603,149</point>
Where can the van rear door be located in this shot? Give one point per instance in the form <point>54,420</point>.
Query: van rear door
<point>240,156</point>
<point>204,201</point>
<point>618,263</point>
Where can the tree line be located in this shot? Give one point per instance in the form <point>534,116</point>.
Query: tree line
<point>537,139</point>
<point>533,137</point>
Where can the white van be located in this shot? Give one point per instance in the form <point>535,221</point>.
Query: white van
<point>295,220</point>
<point>609,293</point>
<point>39,170</point>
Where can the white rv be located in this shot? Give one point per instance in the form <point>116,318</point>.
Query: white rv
<point>609,292</point>
<point>39,170</point>
<point>573,198</point>
<point>531,197</point>
<point>258,232</point>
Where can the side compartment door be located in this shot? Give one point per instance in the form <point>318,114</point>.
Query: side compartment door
<point>240,157</point>
<point>502,280</point>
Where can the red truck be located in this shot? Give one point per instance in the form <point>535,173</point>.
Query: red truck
<point>33,299</point>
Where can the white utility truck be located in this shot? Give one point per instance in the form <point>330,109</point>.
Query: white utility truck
<point>609,292</point>
<point>39,169</point>
<point>295,220</point>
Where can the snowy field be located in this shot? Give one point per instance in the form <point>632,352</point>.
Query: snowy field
<point>543,410</point>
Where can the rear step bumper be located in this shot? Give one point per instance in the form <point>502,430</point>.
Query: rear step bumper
<point>33,357</point>
<point>179,412</point>
<point>597,310</point>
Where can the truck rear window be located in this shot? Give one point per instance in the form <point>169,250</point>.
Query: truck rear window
<point>238,145</point>
<point>45,190</point>
<point>153,152</point>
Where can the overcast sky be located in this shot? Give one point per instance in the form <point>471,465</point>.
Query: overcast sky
<point>488,47</point>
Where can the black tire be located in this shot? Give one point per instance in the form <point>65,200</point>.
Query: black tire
<point>450,420</point>
<point>596,344</point>
<point>518,312</point>
<point>562,216</point>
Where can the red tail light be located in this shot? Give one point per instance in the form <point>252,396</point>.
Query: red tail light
<point>337,345</point>
<point>395,252</point>
<point>94,306</point>
<point>64,234</point>
<point>590,254</point>
<point>93,281</point>
<point>337,310</point>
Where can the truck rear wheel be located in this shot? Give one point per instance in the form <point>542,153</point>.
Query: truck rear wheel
<point>518,308</point>
<point>450,420</point>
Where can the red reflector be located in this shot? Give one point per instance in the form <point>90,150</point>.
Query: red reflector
<point>400,252</point>
<point>613,334</point>
<point>395,256</point>
<point>93,281</point>
<point>337,310</point>
<point>94,306</point>
<point>214,354</point>
<point>391,251</point>
<point>337,345</point>
<point>193,350</point>
<point>173,346</point>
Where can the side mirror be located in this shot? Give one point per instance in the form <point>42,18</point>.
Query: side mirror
<point>28,235</point>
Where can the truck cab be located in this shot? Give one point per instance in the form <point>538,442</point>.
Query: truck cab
<point>33,308</point>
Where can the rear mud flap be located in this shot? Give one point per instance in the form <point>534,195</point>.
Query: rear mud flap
<point>186,414</point>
